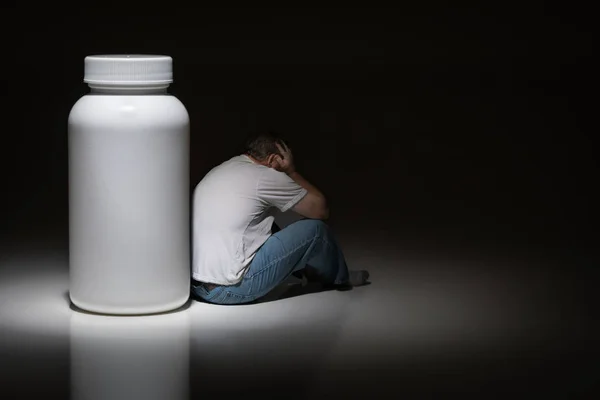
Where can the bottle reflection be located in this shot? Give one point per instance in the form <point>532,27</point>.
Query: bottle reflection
<point>115,357</point>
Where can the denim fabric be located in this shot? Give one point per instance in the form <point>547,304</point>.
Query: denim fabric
<point>305,242</point>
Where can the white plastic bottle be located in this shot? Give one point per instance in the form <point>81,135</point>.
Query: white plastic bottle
<point>129,189</point>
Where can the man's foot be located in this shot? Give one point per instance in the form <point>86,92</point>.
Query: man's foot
<point>358,278</point>
<point>355,278</point>
<point>307,275</point>
<point>301,276</point>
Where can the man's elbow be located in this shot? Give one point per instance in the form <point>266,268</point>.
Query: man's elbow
<point>324,211</point>
<point>322,215</point>
<point>313,207</point>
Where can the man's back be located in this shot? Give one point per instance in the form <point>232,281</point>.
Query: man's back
<point>233,214</point>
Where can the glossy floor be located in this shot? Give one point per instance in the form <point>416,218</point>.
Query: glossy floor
<point>430,323</point>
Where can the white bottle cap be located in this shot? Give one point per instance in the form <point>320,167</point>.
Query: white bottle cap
<point>130,69</point>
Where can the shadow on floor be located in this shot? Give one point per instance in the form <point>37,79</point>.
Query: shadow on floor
<point>291,287</point>
<point>288,290</point>
<point>73,307</point>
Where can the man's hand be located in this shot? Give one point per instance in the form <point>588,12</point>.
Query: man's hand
<point>285,163</point>
<point>314,204</point>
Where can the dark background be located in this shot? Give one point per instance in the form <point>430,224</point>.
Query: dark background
<point>438,127</point>
<point>431,123</point>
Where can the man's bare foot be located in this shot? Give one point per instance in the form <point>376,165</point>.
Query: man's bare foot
<point>355,278</point>
<point>358,278</point>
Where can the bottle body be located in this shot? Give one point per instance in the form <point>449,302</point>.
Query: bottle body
<point>129,203</point>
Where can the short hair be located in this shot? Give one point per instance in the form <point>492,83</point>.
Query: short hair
<point>261,144</point>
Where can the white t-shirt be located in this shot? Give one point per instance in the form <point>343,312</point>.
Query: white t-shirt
<point>233,212</point>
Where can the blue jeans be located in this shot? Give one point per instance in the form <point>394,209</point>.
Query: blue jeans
<point>305,242</point>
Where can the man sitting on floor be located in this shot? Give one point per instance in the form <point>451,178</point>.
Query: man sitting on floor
<point>236,257</point>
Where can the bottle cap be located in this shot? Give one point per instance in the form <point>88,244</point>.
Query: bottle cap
<point>128,69</point>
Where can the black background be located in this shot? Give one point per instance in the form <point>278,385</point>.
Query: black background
<point>436,122</point>
<point>436,126</point>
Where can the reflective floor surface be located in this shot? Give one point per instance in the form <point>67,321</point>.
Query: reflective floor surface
<point>429,324</point>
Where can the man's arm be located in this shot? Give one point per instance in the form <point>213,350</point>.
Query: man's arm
<point>314,204</point>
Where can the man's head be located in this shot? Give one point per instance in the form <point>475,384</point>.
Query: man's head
<point>262,147</point>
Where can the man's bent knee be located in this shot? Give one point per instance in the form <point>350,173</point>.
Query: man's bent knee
<point>306,229</point>
<point>316,227</point>
<point>316,224</point>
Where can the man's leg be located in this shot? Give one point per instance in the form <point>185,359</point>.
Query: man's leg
<point>303,242</point>
<point>300,274</point>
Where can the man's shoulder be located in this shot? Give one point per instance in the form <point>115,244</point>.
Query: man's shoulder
<point>241,164</point>
<point>271,174</point>
<point>235,170</point>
